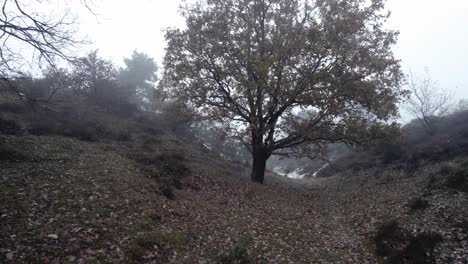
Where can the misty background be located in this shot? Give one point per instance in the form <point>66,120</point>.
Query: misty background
<point>431,43</point>
<point>432,34</point>
<point>264,131</point>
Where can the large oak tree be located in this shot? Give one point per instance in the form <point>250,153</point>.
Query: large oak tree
<point>286,77</point>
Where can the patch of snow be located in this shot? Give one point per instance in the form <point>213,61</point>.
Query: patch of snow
<point>295,174</point>
<point>278,170</point>
<point>319,170</point>
<point>53,236</point>
<point>207,146</point>
<point>292,175</point>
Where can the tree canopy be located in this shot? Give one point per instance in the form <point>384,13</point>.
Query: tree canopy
<point>140,76</point>
<point>286,76</point>
<point>90,72</point>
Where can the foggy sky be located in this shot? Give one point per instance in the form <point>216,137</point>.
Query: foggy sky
<point>433,34</point>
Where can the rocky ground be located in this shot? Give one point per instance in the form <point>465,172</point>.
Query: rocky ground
<point>69,201</point>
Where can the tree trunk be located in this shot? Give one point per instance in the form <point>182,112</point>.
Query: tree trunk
<point>260,158</point>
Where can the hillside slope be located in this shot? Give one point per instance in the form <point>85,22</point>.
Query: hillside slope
<point>69,201</point>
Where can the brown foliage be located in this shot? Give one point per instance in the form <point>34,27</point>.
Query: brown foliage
<point>285,77</point>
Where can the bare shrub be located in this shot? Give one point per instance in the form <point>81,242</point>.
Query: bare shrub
<point>418,204</point>
<point>12,153</point>
<point>399,246</point>
<point>8,126</point>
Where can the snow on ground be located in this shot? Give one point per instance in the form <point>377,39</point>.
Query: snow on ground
<point>296,174</point>
<point>207,146</point>
<point>319,170</point>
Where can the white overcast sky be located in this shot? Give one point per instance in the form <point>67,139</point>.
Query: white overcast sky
<point>433,34</point>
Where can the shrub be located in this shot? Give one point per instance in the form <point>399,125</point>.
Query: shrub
<point>176,116</point>
<point>415,147</point>
<point>83,131</point>
<point>458,181</point>
<point>398,246</point>
<point>239,254</point>
<point>418,204</point>
<point>173,164</point>
<point>463,225</point>
<point>177,184</point>
<point>13,107</point>
<point>10,127</point>
<point>123,136</point>
<point>432,181</point>
<point>447,169</point>
<point>12,153</point>
<point>464,165</point>
<point>88,127</point>
<point>45,126</point>
<point>168,192</point>
<point>169,164</point>
<point>390,239</point>
<point>354,161</point>
<point>144,242</point>
<point>420,250</point>
<point>169,168</point>
<point>390,151</point>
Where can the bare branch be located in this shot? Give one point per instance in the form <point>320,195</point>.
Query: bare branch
<point>47,38</point>
<point>427,101</point>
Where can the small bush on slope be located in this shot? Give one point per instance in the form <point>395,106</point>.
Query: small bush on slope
<point>458,181</point>
<point>148,241</point>
<point>464,165</point>
<point>10,127</point>
<point>414,148</point>
<point>13,107</point>
<point>399,246</point>
<point>239,254</point>
<point>451,176</point>
<point>390,239</point>
<point>418,204</point>
<point>11,153</point>
<point>95,127</point>
<point>167,168</point>
<point>171,164</point>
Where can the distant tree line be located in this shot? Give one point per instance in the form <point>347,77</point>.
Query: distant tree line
<point>94,80</point>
